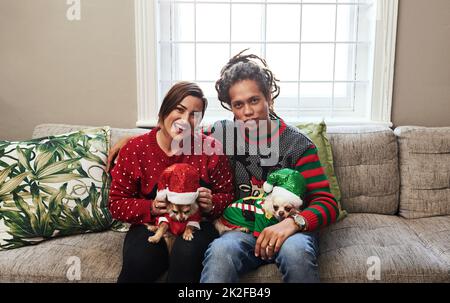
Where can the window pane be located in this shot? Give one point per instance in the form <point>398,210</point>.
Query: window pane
<point>283,22</point>
<point>184,56</point>
<point>288,97</point>
<point>344,69</point>
<point>317,62</point>
<point>346,23</point>
<point>164,21</point>
<point>362,68</point>
<point>164,87</point>
<point>283,60</point>
<point>366,21</point>
<point>215,111</point>
<point>361,106</point>
<point>184,22</point>
<point>166,61</point>
<point>213,22</point>
<point>315,90</point>
<point>343,96</point>
<point>209,90</point>
<point>318,22</point>
<point>315,95</point>
<point>256,49</point>
<point>247,22</point>
<point>210,60</point>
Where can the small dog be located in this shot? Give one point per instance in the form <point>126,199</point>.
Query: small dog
<point>273,206</point>
<point>279,207</point>
<point>180,219</point>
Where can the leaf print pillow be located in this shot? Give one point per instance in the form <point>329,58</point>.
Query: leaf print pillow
<point>53,186</point>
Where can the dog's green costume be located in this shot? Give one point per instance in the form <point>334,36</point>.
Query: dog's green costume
<point>249,213</point>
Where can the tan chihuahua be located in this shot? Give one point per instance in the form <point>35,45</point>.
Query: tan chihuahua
<point>176,222</point>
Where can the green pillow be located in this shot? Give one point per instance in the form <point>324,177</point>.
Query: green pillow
<point>53,186</point>
<point>318,135</point>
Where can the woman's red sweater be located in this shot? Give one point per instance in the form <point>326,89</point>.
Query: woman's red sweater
<point>141,162</point>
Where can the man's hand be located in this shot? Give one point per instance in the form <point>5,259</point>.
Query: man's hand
<point>272,237</point>
<point>204,200</point>
<point>112,156</point>
<point>158,208</point>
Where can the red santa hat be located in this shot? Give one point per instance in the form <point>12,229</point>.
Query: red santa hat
<point>179,183</point>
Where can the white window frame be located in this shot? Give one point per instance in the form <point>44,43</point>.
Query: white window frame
<point>146,28</point>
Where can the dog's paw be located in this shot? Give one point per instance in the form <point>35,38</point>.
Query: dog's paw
<point>188,235</point>
<point>154,239</point>
<point>244,229</point>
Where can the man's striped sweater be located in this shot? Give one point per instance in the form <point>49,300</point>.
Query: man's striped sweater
<point>253,159</point>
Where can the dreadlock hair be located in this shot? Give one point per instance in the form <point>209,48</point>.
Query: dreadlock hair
<point>246,67</point>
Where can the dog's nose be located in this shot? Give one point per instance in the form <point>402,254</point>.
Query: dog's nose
<point>281,213</point>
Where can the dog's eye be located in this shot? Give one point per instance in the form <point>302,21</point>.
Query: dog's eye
<point>287,208</point>
<point>175,212</point>
<point>186,212</point>
<point>275,207</point>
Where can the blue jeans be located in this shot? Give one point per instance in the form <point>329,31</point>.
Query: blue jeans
<point>233,254</point>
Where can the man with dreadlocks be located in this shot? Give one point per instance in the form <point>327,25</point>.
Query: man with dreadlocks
<point>257,143</point>
<point>248,88</point>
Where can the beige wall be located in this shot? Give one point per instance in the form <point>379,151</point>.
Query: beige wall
<point>83,72</point>
<point>53,70</point>
<point>422,69</point>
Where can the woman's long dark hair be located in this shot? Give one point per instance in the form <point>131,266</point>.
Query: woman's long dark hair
<point>176,94</point>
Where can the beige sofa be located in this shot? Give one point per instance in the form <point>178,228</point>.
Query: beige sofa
<point>395,186</point>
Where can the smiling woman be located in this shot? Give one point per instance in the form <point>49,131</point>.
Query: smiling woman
<point>177,94</point>
<point>181,110</point>
<point>133,196</point>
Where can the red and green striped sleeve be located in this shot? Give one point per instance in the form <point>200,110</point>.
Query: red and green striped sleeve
<point>321,206</point>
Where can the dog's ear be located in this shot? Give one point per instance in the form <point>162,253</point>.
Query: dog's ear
<point>268,204</point>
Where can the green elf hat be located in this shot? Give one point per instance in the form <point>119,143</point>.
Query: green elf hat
<point>287,183</point>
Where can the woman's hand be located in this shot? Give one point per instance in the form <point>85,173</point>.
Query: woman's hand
<point>112,156</point>
<point>204,200</point>
<point>158,208</point>
<point>272,237</point>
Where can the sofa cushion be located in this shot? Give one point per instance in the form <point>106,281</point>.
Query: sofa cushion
<point>434,233</point>
<point>317,132</point>
<point>53,186</point>
<point>366,165</point>
<point>98,255</point>
<point>268,273</point>
<point>424,154</point>
<point>346,248</point>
